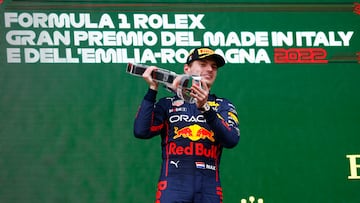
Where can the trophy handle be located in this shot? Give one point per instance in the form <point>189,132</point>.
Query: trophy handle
<point>160,75</point>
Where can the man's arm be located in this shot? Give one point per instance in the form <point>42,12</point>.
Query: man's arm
<point>146,124</point>
<point>225,124</point>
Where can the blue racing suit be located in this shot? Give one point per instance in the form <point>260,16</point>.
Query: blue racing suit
<point>192,144</point>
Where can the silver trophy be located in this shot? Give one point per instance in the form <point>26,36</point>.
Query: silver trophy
<point>178,84</point>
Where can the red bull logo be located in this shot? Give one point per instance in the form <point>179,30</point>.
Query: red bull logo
<point>194,148</point>
<point>194,133</point>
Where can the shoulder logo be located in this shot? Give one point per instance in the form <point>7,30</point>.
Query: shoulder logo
<point>178,102</point>
<point>213,103</point>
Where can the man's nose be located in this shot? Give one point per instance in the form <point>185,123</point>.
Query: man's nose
<point>209,67</point>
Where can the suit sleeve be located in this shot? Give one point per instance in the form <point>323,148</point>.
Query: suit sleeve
<point>149,118</point>
<point>225,124</point>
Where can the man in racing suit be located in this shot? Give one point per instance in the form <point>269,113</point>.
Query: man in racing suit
<point>193,134</point>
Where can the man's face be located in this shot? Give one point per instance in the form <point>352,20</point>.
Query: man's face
<point>206,68</point>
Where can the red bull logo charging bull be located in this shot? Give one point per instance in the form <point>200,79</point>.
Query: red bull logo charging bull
<point>194,133</point>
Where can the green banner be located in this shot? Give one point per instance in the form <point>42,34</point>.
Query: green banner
<point>67,104</point>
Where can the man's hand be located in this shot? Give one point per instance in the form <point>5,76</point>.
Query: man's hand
<point>201,94</point>
<point>147,75</point>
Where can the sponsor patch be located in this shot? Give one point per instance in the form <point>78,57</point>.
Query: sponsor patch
<point>178,103</point>
<point>203,165</point>
<point>177,109</point>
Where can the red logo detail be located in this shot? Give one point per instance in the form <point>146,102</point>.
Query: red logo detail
<point>193,148</point>
<point>358,57</point>
<point>300,55</point>
<point>219,192</point>
<point>357,8</point>
<point>194,133</point>
<point>162,185</point>
<point>185,132</point>
<point>204,133</point>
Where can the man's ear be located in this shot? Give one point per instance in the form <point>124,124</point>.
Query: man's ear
<point>186,68</point>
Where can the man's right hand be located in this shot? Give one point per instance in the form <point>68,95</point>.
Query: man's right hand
<point>147,75</point>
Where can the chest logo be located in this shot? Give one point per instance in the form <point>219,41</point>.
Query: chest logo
<point>194,133</point>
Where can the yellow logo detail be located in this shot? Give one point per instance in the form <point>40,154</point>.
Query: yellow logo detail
<point>213,103</point>
<point>234,117</point>
<point>205,51</point>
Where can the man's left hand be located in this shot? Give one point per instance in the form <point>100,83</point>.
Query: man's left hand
<point>201,94</point>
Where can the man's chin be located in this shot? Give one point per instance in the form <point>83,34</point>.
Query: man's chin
<point>208,82</point>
